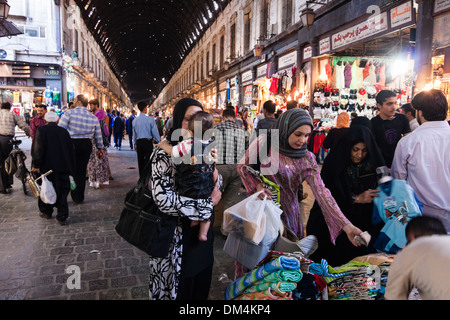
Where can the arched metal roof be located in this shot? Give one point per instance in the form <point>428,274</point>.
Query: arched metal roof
<point>145,41</point>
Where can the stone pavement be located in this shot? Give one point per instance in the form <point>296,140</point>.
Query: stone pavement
<point>35,253</point>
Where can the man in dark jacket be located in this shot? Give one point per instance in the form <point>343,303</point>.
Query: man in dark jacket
<point>129,125</point>
<point>52,149</point>
<point>118,128</point>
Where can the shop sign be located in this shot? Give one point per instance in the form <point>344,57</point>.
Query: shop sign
<point>441,6</point>
<point>45,72</point>
<point>248,94</point>
<point>7,54</point>
<point>287,60</point>
<point>261,71</point>
<point>365,29</point>
<point>307,52</point>
<point>246,76</point>
<point>401,14</point>
<point>51,72</point>
<point>324,45</point>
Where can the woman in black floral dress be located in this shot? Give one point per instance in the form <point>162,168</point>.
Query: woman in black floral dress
<point>185,274</point>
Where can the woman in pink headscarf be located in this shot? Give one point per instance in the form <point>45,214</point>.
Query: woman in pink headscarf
<point>98,162</point>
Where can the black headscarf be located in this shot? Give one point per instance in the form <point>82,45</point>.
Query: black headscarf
<point>178,115</point>
<point>338,160</point>
<point>361,121</point>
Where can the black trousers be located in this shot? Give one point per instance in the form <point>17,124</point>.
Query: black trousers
<point>144,149</point>
<point>61,183</point>
<point>130,138</point>
<point>83,149</point>
<point>196,287</point>
<point>5,148</point>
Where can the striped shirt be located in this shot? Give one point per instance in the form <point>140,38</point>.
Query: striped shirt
<point>82,124</point>
<point>230,142</point>
<point>8,122</point>
<point>289,174</point>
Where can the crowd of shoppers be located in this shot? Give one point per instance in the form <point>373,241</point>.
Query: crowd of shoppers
<point>344,187</point>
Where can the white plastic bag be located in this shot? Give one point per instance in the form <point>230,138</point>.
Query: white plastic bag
<point>249,254</point>
<point>48,193</point>
<point>247,219</point>
<point>273,222</point>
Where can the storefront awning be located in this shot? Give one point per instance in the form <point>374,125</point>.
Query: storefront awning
<point>8,29</point>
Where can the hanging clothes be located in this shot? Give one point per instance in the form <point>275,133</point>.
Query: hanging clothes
<point>371,79</point>
<point>348,75</point>
<point>274,84</point>
<point>339,77</point>
<point>328,71</point>
<point>357,76</point>
<point>293,78</point>
<point>366,71</point>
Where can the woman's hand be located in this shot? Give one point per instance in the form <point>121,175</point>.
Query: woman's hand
<point>214,155</point>
<point>352,232</point>
<point>367,196</point>
<point>266,192</point>
<point>166,146</point>
<point>216,195</point>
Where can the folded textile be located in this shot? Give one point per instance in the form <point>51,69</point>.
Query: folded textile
<point>323,269</point>
<point>284,275</point>
<point>320,283</point>
<point>350,266</point>
<point>279,287</point>
<point>265,295</point>
<point>306,288</point>
<point>239,285</point>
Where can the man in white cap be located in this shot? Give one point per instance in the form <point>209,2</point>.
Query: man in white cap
<point>52,149</point>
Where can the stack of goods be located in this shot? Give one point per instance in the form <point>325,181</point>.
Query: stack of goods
<point>310,287</point>
<point>382,261</point>
<point>351,281</point>
<point>273,280</point>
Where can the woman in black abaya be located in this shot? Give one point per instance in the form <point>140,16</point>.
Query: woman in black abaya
<point>349,172</point>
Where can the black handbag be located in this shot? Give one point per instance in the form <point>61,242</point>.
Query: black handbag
<point>142,224</point>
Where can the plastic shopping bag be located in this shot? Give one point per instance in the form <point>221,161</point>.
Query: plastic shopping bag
<point>48,193</point>
<point>273,222</point>
<point>247,219</point>
<point>248,253</point>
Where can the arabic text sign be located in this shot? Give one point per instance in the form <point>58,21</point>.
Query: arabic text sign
<point>373,25</point>
<point>401,14</point>
<point>441,5</point>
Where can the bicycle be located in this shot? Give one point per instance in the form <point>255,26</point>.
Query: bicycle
<point>15,164</point>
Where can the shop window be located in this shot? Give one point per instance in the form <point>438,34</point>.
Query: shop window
<point>214,62</point>
<point>222,51</point>
<point>32,31</point>
<point>233,41</point>
<point>264,19</point>
<point>39,82</point>
<point>247,33</point>
<point>287,13</point>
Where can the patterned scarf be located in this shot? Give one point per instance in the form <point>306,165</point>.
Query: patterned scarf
<point>286,124</point>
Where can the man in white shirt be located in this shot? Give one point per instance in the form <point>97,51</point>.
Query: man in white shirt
<point>423,264</point>
<point>410,113</point>
<point>423,158</point>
